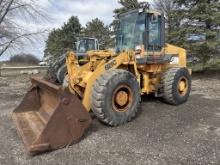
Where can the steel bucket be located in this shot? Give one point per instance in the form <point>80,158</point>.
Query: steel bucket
<point>49,118</point>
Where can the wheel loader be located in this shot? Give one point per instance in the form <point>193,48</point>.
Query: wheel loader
<point>58,70</point>
<point>109,85</point>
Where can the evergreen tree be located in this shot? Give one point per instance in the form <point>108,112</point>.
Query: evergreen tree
<point>97,29</point>
<point>64,38</point>
<point>200,18</point>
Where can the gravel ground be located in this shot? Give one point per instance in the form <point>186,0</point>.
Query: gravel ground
<point>160,135</point>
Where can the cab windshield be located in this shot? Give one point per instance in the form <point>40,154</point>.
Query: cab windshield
<point>85,45</point>
<point>130,31</point>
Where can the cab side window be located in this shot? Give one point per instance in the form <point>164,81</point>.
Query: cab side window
<point>154,42</point>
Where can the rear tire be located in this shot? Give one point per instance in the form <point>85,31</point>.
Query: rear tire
<point>57,71</point>
<point>51,75</point>
<point>115,97</point>
<point>61,73</point>
<point>176,85</point>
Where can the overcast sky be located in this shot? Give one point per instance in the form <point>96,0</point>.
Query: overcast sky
<point>60,11</point>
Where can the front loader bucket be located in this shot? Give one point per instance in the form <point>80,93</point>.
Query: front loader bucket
<point>49,118</point>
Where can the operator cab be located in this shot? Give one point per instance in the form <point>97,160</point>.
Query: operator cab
<point>87,44</point>
<point>141,30</point>
<point>83,46</point>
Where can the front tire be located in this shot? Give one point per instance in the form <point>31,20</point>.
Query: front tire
<point>176,85</point>
<point>115,97</point>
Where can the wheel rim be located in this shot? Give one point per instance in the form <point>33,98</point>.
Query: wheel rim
<point>183,86</point>
<point>122,98</point>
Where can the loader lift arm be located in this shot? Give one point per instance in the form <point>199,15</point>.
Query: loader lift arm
<point>101,67</point>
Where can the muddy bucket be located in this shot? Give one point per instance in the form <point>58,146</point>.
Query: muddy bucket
<point>49,118</point>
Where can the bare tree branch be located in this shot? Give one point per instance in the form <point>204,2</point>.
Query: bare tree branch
<point>14,17</point>
<point>6,45</point>
<point>6,11</point>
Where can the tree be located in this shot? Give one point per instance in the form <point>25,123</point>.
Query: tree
<point>201,18</point>
<point>97,29</point>
<point>12,14</point>
<point>24,58</point>
<point>64,38</point>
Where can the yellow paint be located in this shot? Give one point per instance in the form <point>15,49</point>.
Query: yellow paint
<point>146,83</point>
<point>180,52</point>
<point>183,86</point>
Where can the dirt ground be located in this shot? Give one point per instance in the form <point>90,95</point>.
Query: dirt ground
<point>160,135</point>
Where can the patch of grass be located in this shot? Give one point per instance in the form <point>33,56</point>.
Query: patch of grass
<point>196,67</point>
<point>213,64</point>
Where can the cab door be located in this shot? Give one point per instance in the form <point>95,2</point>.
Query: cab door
<point>155,26</point>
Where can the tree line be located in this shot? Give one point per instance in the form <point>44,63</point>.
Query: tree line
<point>191,24</point>
<point>64,38</point>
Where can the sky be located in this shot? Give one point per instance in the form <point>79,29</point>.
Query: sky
<point>59,12</point>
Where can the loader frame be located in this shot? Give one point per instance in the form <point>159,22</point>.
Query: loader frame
<point>82,78</point>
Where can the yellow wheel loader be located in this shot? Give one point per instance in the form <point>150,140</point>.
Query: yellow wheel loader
<point>110,85</point>
<point>58,70</point>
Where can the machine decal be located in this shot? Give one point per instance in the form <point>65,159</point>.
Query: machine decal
<point>174,60</point>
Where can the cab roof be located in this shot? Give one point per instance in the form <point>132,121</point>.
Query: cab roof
<point>141,10</point>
